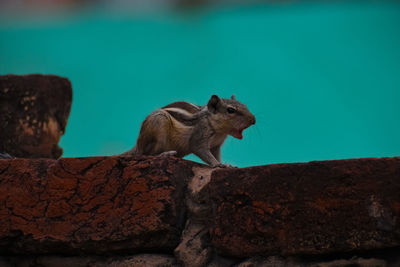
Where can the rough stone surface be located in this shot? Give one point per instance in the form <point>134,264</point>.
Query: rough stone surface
<point>195,249</point>
<point>306,208</point>
<point>164,260</point>
<point>145,260</point>
<point>108,211</point>
<point>34,110</point>
<point>218,261</point>
<point>276,261</point>
<point>352,262</point>
<point>92,205</point>
<point>273,261</point>
<point>140,260</point>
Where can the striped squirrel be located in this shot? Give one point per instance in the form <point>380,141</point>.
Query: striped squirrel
<point>182,128</point>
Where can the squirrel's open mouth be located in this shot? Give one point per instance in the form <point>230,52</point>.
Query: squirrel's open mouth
<point>239,133</point>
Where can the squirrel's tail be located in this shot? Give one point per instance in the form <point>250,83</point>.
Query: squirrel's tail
<point>132,152</point>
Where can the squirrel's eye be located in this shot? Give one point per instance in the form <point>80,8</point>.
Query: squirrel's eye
<point>231,110</point>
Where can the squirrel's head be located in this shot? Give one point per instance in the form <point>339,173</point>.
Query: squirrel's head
<point>230,116</point>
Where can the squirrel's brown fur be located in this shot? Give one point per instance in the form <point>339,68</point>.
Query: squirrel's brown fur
<point>182,128</point>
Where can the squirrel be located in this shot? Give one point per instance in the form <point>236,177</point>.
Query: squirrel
<point>182,128</point>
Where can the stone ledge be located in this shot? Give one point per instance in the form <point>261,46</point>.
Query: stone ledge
<point>306,208</point>
<point>210,217</point>
<point>91,205</point>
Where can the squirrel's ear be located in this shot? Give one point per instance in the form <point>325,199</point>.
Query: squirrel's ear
<point>233,97</point>
<point>213,103</point>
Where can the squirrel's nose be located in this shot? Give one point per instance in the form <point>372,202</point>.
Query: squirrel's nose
<point>253,120</point>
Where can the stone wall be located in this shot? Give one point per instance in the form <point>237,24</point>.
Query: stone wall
<point>34,111</point>
<point>164,210</point>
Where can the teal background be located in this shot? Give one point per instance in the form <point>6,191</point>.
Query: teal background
<point>323,79</point>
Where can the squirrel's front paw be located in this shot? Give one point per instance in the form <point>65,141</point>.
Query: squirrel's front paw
<point>169,153</point>
<point>227,165</point>
<point>223,165</point>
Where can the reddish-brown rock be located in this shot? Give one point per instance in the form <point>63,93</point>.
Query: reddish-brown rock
<point>306,208</point>
<point>34,110</point>
<point>92,205</point>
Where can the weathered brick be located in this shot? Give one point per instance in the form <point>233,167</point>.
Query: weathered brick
<point>34,111</point>
<point>306,208</point>
<point>110,205</point>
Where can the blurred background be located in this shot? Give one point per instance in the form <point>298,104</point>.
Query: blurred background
<point>322,77</point>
